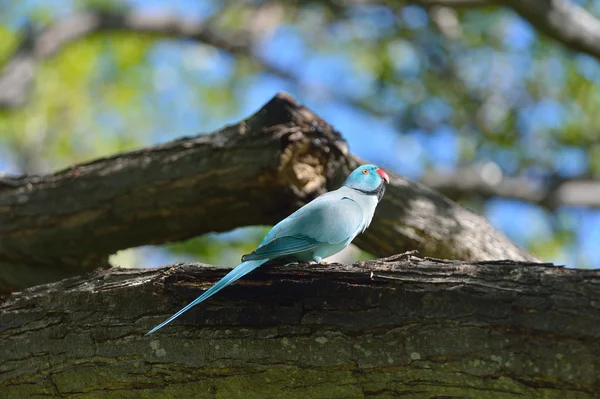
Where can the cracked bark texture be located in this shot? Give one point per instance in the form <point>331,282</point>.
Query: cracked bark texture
<point>401,326</point>
<point>256,172</point>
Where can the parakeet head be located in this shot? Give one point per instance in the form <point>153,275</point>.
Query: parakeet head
<point>368,179</point>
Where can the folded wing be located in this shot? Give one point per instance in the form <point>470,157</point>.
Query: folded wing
<point>329,220</point>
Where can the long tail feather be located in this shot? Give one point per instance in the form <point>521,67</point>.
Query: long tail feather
<point>238,272</point>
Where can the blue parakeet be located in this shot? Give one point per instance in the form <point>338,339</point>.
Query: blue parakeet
<point>319,229</point>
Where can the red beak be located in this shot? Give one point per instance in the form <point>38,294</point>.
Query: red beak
<point>383,175</point>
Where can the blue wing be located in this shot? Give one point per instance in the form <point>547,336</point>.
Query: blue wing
<point>282,247</point>
<point>330,219</point>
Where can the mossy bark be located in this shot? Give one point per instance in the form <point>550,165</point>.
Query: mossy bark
<point>404,326</point>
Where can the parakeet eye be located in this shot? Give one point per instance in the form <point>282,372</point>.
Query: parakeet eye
<point>365,171</point>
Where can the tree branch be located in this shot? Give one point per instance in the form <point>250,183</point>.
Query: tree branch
<point>563,21</point>
<point>254,173</point>
<point>416,327</point>
<point>487,181</point>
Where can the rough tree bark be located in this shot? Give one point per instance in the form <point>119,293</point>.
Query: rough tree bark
<point>419,328</point>
<point>253,173</point>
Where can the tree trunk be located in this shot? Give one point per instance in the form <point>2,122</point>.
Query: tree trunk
<point>253,173</point>
<point>419,328</point>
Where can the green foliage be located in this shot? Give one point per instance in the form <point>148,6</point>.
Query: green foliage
<point>215,249</point>
<point>91,78</point>
<point>8,42</point>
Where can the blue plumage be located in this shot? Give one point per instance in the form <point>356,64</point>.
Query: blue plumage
<point>319,229</point>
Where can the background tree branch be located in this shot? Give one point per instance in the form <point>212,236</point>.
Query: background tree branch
<point>253,173</point>
<point>563,21</point>
<point>487,181</point>
<point>416,327</point>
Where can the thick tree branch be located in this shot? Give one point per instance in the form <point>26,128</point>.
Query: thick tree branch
<point>253,173</point>
<point>487,181</point>
<point>387,328</point>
